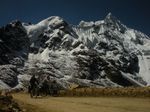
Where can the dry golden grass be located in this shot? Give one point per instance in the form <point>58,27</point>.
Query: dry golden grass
<point>119,92</point>
<point>83,104</point>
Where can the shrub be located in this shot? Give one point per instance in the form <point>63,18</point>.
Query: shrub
<point>122,91</point>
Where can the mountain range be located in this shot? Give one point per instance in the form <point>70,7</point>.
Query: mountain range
<point>104,53</point>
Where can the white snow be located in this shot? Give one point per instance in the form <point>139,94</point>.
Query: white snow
<point>144,64</point>
<point>44,56</point>
<point>3,85</point>
<point>86,24</point>
<point>130,34</point>
<point>35,30</point>
<point>98,23</point>
<point>129,78</point>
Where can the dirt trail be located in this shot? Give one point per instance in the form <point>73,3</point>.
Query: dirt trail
<point>82,104</point>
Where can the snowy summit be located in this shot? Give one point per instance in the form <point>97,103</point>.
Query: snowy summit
<point>104,53</point>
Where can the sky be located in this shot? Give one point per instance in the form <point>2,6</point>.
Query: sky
<point>133,13</point>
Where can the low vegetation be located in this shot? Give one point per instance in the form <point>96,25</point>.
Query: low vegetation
<point>7,104</point>
<point>117,92</point>
<point>80,99</point>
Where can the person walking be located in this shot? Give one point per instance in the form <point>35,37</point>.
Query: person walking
<point>33,86</point>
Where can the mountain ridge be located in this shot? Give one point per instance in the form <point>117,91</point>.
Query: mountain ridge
<point>101,54</point>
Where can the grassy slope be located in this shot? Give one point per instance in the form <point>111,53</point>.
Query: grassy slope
<point>83,104</point>
<point>119,92</point>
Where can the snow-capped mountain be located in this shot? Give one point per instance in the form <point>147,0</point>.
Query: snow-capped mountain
<point>101,54</point>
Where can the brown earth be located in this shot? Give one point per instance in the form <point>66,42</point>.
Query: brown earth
<point>82,104</point>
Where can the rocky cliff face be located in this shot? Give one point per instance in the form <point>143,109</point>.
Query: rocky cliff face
<point>102,53</point>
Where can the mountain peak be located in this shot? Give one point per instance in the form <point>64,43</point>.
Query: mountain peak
<point>95,53</point>
<point>112,21</point>
<point>109,15</point>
